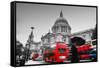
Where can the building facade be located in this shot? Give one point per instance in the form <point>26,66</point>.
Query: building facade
<point>61,32</point>
<point>86,35</point>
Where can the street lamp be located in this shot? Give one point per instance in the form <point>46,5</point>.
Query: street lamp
<point>32,28</point>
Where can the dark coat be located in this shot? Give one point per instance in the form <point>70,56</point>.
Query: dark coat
<point>75,55</point>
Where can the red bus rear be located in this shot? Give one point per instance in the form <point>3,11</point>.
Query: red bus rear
<point>59,54</point>
<point>84,50</point>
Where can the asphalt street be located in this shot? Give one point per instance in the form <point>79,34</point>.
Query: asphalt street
<point>30,62</point>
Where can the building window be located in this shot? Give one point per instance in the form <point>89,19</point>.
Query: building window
<point>62,28</point>
<point>66,28</point>
<point>84,36</point>
<point>94,42</point>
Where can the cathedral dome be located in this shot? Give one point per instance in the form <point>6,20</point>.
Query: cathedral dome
<point>61,20</point>
<point>61,25</point>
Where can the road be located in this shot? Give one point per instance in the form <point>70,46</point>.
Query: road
<point>34,62</point>
<point>30,62</point>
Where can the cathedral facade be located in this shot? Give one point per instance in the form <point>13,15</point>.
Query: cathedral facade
<point>61,32</point>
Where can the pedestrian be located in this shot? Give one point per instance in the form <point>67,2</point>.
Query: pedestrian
<point>75,55</point>
<point>76,41</point>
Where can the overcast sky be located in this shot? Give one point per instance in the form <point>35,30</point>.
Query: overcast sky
<point>43,17</point>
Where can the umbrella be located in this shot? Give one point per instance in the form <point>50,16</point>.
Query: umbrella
<point>78,40</point>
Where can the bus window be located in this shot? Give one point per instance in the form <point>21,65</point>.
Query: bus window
<point>61,50</point>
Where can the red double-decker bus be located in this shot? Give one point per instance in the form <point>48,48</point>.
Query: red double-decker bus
<point>58,54</point>
<point>84,51</point>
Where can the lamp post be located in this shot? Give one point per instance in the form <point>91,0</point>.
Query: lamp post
<point>32,28</point>
<point>29,42</point>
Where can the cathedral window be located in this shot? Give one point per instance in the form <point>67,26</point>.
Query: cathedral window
<point>62,29</point>
<point>66,28</point>
<point>84,36</point>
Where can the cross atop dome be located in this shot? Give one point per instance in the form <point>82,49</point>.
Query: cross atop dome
<point>61,14</point>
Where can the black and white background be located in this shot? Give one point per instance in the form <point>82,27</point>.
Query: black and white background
<point>5,33</point>
<point>42,18</point>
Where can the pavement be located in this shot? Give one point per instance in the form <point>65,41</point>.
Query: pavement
<point>30,62</point>
<point>34,62</point>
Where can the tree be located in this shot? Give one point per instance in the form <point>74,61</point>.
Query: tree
<point>19,46</point>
